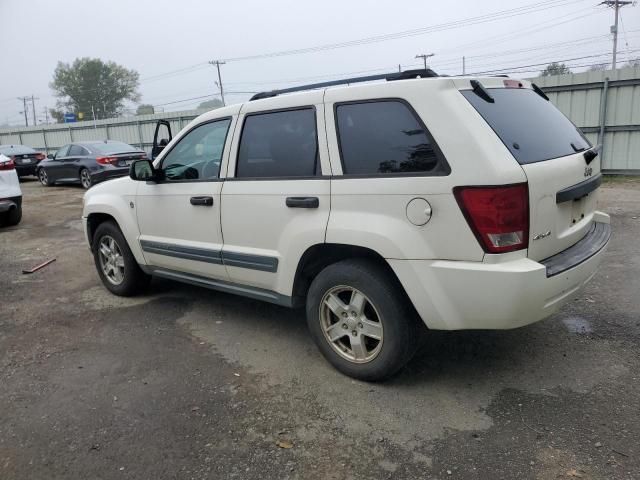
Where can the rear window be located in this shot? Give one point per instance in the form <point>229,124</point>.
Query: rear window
<point>112,147</point>
<point>16,150</point>
<point>530,127</point>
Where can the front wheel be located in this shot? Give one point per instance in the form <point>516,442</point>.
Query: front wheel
<point>85,178</point>
<point>116,265</point>
<point>360,319</point>
<point>14,216</point>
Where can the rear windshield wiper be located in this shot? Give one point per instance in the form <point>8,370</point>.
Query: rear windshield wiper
<point>577,149</point>
<point>539,91</point>
<point>482,92</point>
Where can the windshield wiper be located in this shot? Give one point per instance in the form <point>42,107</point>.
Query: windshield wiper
<point>577,149</point>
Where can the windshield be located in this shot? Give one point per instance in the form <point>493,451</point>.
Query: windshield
<point>112,147</point>
<point>530,127</point>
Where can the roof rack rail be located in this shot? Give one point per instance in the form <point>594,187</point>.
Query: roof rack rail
<point>407,74</point>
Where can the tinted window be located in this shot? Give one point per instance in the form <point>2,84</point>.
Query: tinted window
<point>198,154</point>
<point>112,147</point>
<point>384,137</point>
<point>63,151</point>
<point>279,144</point>
<point>529,126</point>
<point>76,151</point>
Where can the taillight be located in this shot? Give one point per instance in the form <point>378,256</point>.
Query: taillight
<point>107,160</point>
<point>498,216</point>
<point>7,165</point>
<point>40,156</point>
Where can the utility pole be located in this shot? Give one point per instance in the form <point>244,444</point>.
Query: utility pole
<point>33,107</point>
<point>424,58</point>
<point>46,114</point>
<point>217,63</point>
<point>616,4</point>
<point>24,110</point>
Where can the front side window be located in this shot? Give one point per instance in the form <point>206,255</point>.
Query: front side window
<point>198,154</point>
<point>385,137</point>
<point>63,152</point>
<point>279,144</point>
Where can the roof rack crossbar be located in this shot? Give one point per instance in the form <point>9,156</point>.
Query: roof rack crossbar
<point>344,81</point>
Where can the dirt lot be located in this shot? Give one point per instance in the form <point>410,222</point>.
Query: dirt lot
<point>190,383</point>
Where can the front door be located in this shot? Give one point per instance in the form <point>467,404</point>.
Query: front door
<point>275,200</point>
<point>55,166</point>
<point>179,217</point>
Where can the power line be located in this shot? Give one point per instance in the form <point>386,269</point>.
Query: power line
<point>500,15</point>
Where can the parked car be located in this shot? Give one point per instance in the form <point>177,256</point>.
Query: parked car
<point>88,162</point>
<point>10,193</point>
<point>25,158</point>
<point>446,202</point>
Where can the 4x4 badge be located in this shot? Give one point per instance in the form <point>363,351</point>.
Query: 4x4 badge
<point>588,171</point>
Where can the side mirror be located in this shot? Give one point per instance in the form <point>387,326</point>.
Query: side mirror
<point>51,156</point>
<point>142,170</point>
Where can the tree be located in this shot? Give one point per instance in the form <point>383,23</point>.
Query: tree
<point>598,67</point>
<point>91,83</point>
<point>555,68</point>
<point>211,104</point>
<point>145,109</point>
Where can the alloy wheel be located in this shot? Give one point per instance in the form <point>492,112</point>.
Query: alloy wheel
<point>351,324</point>
<point>85,178</point>
<point>111,260</point>
<point>42,175</point>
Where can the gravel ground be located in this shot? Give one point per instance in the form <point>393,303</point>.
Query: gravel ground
<point>188,383</point>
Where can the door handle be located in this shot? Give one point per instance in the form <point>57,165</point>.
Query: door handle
<point>205,201</point>
<point>303,202</point>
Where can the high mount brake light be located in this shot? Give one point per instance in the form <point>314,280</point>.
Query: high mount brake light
<point>498,216</point>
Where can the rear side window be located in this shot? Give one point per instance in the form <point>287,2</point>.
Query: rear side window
<point>385,137</point>
<point>279,144</point>
<point>530,127</point>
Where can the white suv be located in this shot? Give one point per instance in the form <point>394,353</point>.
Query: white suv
<point>466,203</point>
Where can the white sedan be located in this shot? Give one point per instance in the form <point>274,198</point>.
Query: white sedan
<point>10,193</point>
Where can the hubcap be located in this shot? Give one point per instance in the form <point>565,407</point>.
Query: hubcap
<point>351,324</point>
<point>86,179</point>
<point>111,260</point>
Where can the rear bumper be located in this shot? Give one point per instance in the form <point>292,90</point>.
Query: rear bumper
<point>7,204</point>
<point>26,169</point>
<point>451,295</point>
<point>109,173</point>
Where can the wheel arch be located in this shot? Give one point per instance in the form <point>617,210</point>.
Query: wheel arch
<point>321,255</point>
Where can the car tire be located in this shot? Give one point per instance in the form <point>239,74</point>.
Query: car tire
<point>85,178</point>
<point>116,265</point>
<point>43,177</point>
<point>14,216</point>
<point>348,341</point>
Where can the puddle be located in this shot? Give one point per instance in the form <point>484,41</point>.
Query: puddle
<point>577,325</point>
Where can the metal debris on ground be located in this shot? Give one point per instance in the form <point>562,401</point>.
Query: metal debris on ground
<point>38,267</point>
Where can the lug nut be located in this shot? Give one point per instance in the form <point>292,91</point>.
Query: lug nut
<point>359,325</point>
<point>344,314</point>
<point>353,314</point>
<point>344,325</point>
<point>354,333</point>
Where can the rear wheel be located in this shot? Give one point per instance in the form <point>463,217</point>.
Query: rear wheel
<point>116,265</point>
<point>43,177</point>
<point>14,216</point>
<point>85,178</point>
<point>361,321</point>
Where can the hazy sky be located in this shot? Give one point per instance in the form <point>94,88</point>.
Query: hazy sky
<point>157,37</point>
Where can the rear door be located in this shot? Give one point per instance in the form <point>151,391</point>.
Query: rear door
<point>275,200</point>
<point>562,179</point>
